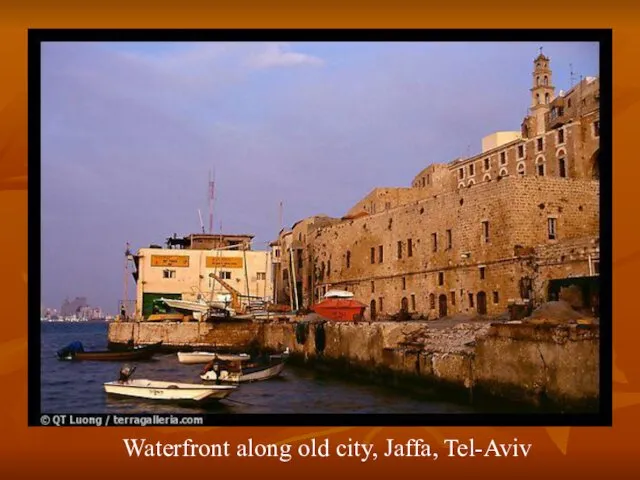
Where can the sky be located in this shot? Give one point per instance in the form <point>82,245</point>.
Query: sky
<point>130,132</point>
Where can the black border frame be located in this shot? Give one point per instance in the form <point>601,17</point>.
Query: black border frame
<point>602,36</point>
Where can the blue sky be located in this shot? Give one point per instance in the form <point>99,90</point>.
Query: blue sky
<point>131,130</point>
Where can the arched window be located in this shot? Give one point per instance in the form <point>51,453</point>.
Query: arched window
<point>521,169</point>
<point>546,98</point>
<point>487,178</point>
<point>504,172</point>
<point>546,80</point>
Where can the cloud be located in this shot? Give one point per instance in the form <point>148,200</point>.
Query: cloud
<point>280,55</point>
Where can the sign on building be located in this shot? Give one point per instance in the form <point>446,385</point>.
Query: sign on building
<point>169,261</point>
<point>224,262</point>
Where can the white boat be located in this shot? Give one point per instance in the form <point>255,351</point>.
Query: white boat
<point>191,358</point>
<point>252,374</point>
<point>198,306</point>
<point>169,391</point>
<point>338,294</point>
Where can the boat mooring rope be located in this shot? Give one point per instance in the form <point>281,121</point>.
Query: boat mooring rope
<point>241,403</point>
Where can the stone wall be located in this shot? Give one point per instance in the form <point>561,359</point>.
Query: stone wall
<point>437,246</point>
<point>534,363</point>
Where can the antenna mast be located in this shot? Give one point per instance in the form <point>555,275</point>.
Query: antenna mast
<point>280,216</point>
<point>571,74</point>
<point>201,222</point>
<point>212,184</point>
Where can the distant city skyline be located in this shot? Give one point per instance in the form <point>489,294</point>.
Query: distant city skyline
<point>131,131</point>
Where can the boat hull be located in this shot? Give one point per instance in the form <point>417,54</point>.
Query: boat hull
<point>168,391</point>
<point>255,374</point>
<point>135,354</point>
<point>340,310</point>
<point>193,358</point>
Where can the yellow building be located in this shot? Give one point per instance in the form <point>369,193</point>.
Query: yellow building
<point>183,270</point>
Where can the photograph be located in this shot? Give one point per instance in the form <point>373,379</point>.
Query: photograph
<point>349,227</point>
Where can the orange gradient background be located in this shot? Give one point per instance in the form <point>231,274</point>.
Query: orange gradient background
<point>99,453</point>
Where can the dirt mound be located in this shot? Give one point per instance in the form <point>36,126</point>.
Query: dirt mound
<point>554,312</point>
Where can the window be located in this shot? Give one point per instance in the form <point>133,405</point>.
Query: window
<point>482,273</point>
<point>449,240</point>
<point>551,227</point>
<point>521,170</point>
<point>471,169</point>
<point>541,170</point>
<point>263,276</point>
<point>486,164</point>
<point>277,252</point>
<point>328,268</point>
<point>569,102</point>
<point>453,297</point>
<point>596,267</point>
<point>399,249</point>
<point>496,297</point>
<point>540,144</point>
<point>373,286</point>
<point>520,151</point>
<point>413,302</point>
<point>596,128</point>
<point>432,301</point>
<point>409,248</point>
<point>561,135</point>
<point>348,259</point>
<point>434,242</point>
<point>380,254</point>
<point>440,278</point>
<point>503,158</point>
<point>168,274</point>
<point>485,231</point>
<point>373,254</point>
<point>380,308</point>
<point>299,257</point>
<point>428,180</point>
<point>404,283</point>
<point>471,300</point>
<point>562,167</point>
<point>227,275</point>
<point>461,173</point>
<point>423,181</point>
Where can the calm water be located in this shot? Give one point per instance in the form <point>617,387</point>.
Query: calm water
<point>76,387</point>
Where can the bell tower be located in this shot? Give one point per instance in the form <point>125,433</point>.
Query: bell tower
<point>542,92</point>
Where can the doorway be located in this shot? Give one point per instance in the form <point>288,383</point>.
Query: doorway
<point>372,309</point>
<point>442,305</point>
<point>482,303</point>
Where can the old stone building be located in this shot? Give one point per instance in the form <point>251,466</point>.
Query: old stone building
<point>473,235</point>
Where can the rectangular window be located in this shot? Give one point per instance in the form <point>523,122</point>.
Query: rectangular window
<point>380,307</point>
<point>348,259</point>
<point>373,286</point>
<point>373,254</point>
<point>596,267</point>
<point>562,168</point>
<point>496,297</point>
<point>561,135</point>
<point>482,273</point>
<point>485,231</point>
<point>227,275</point>
<point>409,248</point>
<point>596,128</point>
<point>461,173</point>
<point>503,158</point>
<point>277,253</point>
<point>453,297</point>
<point>471,300</point>
<point>541,170</point>
<point>380,254</point>
<point>299,257</point>
<point>263,276</point>
<point>413,302</point>
<point>449,240</point>
<point>551,227</point>
<point>399,249</point>
<point>540,144</point>
<point>520,151</point>
<point>404,283</point>
<point>168,274</point>
<point>471,169</point>
<point>434,242</point>
<point>440,278</point>
<point>486,164</point>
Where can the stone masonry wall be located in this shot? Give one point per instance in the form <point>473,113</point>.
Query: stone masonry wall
<point>517,212</point>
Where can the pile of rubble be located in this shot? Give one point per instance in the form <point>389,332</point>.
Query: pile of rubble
<point>458,338</point>
<point>557,313</point>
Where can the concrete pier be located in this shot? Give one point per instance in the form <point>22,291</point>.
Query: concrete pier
<point>554,365</point>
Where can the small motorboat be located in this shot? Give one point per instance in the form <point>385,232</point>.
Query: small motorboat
<point>234,372</point>
<point>191,358</point>
<point>76,351</point>
<point>187,393</point>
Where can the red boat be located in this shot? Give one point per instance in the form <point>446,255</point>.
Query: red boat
<point>340,309</point>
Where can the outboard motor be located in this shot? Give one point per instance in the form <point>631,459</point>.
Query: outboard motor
<point>125,373</point>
